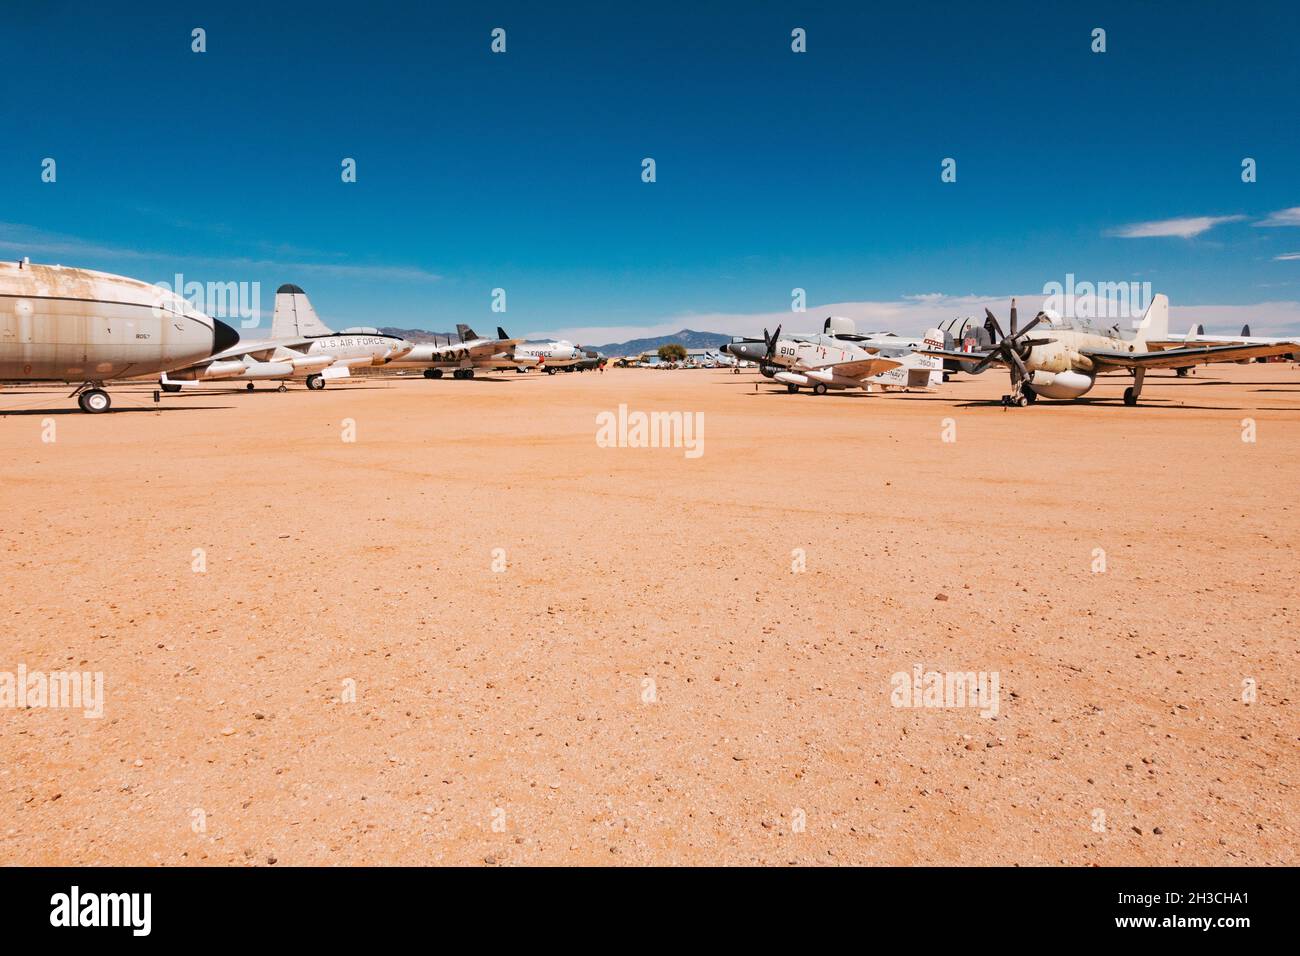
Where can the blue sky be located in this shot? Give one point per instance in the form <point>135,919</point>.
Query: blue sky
<point>775,170</point>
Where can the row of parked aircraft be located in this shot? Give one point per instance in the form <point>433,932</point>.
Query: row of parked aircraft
<point>83,327</point>
<point>1061,361</point>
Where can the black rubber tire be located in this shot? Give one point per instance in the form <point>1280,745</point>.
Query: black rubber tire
<point>1130,398</point>
<point>315,383</point>
<point>819,389</point>
<point>94,401</point>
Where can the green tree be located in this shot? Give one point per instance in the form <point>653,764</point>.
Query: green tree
<point>672,352</point>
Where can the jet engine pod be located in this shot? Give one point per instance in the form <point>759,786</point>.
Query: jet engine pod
<point>1060,384</point>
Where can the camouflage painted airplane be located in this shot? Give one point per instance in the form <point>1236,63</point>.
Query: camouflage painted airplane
<point>1065,357</point>
<point>76,325</point>
<point>301,347</point>
<point>463,356</point>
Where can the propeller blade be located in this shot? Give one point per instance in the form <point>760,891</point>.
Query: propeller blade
<point>1013,318</point>
<point>992,321</point>
<point>1038,318</point>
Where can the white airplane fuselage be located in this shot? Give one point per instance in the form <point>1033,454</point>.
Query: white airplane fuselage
<point>77,325</point>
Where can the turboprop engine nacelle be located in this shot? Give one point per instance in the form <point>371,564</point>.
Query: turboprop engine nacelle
<point>1060,384</point>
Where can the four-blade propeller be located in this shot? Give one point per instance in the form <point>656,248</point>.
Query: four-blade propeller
<point>1011,349</point>
<point>770,342</point>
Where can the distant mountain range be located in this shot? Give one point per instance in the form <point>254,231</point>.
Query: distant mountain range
<point>687,338</point>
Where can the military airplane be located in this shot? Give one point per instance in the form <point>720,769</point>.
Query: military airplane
<point>1065,356</point>
<point>301,347</point>
<point>463,356</point>
<point>79,326</point>
<point>548,356</point>
<point>837,363</point>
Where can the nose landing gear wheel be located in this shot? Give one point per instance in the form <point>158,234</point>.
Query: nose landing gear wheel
<point>1130,397</point>
<point>249,386</point>
<point>315,382</point>
<point>283,388</point>
<point>94,401</point>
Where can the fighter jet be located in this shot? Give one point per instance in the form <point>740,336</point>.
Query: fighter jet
<point>463,356</point>
<point>1065,357</point>
<point>301,347</point>
<point>548,356</point>
<point>80,326</point>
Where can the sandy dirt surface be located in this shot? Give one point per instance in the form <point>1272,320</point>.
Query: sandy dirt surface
<point>648,681</point>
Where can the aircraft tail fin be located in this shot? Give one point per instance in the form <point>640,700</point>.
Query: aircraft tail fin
<point>465,332</point>
<point>1155,324</point>
<point>294,317</point>
<point>1245,331</point>
<point>501,333</point>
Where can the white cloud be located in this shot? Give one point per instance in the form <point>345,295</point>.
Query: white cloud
<point>1287,257</point>
<point>1283,217</point>
<point>1185,228</point>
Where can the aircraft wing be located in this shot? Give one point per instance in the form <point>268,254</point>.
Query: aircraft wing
<point>263,351</point>
<point>971,358</point>
<point>1181,357</point>
<point>862,368</point>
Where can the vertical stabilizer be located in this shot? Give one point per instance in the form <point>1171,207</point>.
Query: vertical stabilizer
<point>294,317</point>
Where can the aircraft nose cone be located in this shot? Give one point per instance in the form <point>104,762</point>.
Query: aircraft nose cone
<point>223,337</point>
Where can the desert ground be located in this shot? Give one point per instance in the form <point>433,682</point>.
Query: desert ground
<point>471,635</point>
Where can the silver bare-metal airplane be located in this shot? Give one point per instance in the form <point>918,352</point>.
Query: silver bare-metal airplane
<point>1065,356</point>
<point>828,363</point>
<point>468,352</point>
<point>80,326</point>
<point>301,347</point>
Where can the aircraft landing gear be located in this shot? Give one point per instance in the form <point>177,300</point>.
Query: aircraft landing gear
<point>463,373</point>
<point>433,373</point>
<point>1131,394</point>
<point>792,389</point>
<point>94,400</point>
<point>315,383</point>
<point>283,388</point>
<point>819,389</point>
<point>1017,400</point>
<point>551,370</point>
<point>249,386</point>
<point>1030,395</point>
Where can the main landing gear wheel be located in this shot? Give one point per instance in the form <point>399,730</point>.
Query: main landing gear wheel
<point>1030,395</point>
<point>249,386</point>
<point>94,401</point>
<point>282,388</point>
<point>550,371</point>
<point>1130,397</point>
<point>315,382</point>
<point>1015,401</point>
<point>819,389</point>
<point>792,389</point>
<point>433,373</point>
